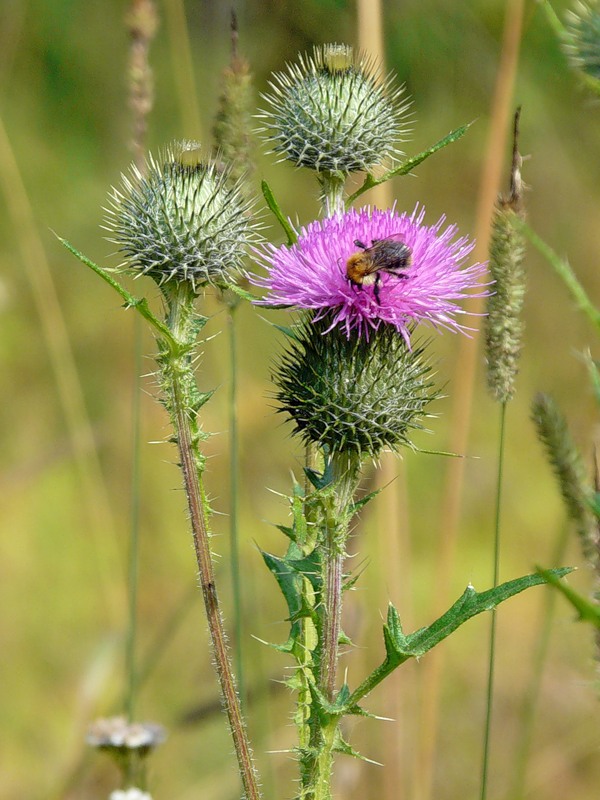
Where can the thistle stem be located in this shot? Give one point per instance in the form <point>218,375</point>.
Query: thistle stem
<point>334,566</point>
<point>335,519</point>
<point>332,200</point>
<point>177,368</point>
<point>236,577</point>
<point>336,524</point>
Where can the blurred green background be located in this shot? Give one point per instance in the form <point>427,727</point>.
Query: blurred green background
<point>63,545</point>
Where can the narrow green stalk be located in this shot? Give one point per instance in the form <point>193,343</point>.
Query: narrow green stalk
<point>492,650</point>
<point>234,504</point>
<point>332,199</point>
<point>179,383</point>
<point>133,567</point>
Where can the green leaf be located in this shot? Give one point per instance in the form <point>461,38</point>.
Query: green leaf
<point>292,237</point>
<point>358,504</point>
<point>408,165</point>
<point>241,292</point>
<point>320,480</point>
<point>588,612</point>
<point>468,605</point>
<point>400,647</point>
<point>139,303</point>
<point>286,330</point>
<point>287,531</point>
<point>289,581</point>
<point>341,746</point>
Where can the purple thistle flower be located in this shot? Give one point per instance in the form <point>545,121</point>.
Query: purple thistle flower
<point>311,274</point>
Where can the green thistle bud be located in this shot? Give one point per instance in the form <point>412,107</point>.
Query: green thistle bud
<point>567,464</point>
<point>354,395</point>
<point>504,326</point>
<point>333,113</point>
<point>582,40</point>
<point>184,221</point>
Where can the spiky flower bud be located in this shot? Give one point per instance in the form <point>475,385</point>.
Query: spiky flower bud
<point>582,40</point>
<point>354,395</point>
<point>334,113</point>
<point>185,220</point>
<point>569,469</point>
<point>504,325</point>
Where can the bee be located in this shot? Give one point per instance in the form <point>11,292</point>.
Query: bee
<point>388,255</point>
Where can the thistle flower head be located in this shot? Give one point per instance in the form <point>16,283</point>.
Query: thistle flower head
<point>333,112</point>
<point>182,221</point>
<point>582,39</point>
<point>314,272</point>
<point>354,396</point>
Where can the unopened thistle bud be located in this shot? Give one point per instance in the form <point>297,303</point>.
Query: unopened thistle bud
<point>184,221</point>
<point>354,395</point>
<point>582,40</point>
<point>568,467</point>
<point>504,326</point>
<point>333,113</point>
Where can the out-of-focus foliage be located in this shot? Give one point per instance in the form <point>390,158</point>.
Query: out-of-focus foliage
<point>62,561</point>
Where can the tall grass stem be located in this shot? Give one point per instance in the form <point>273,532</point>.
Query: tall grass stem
<point>496,574</point>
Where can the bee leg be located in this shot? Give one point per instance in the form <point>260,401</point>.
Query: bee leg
<point>376,286</point>
<point>360,244</point>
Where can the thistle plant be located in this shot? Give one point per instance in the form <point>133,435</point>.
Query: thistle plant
<point>186,224</point>
<point>355,377</point>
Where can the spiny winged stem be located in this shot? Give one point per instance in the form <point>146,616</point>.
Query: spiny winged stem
<point>336,521</point>
<point>183,400</point>
<point>335,512</point>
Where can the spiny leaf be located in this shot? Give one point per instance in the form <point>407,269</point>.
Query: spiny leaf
<point>358,504</point>
<point>342,746</point>
<point>408,165</point>
<point>289,581</point>
<point>287,531</point>
<point>270,200</point>
<point>241,292</point>
<point>139,303</point>
<point>320,480</point>
<point>468,605</point>
<point>399,647</point>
